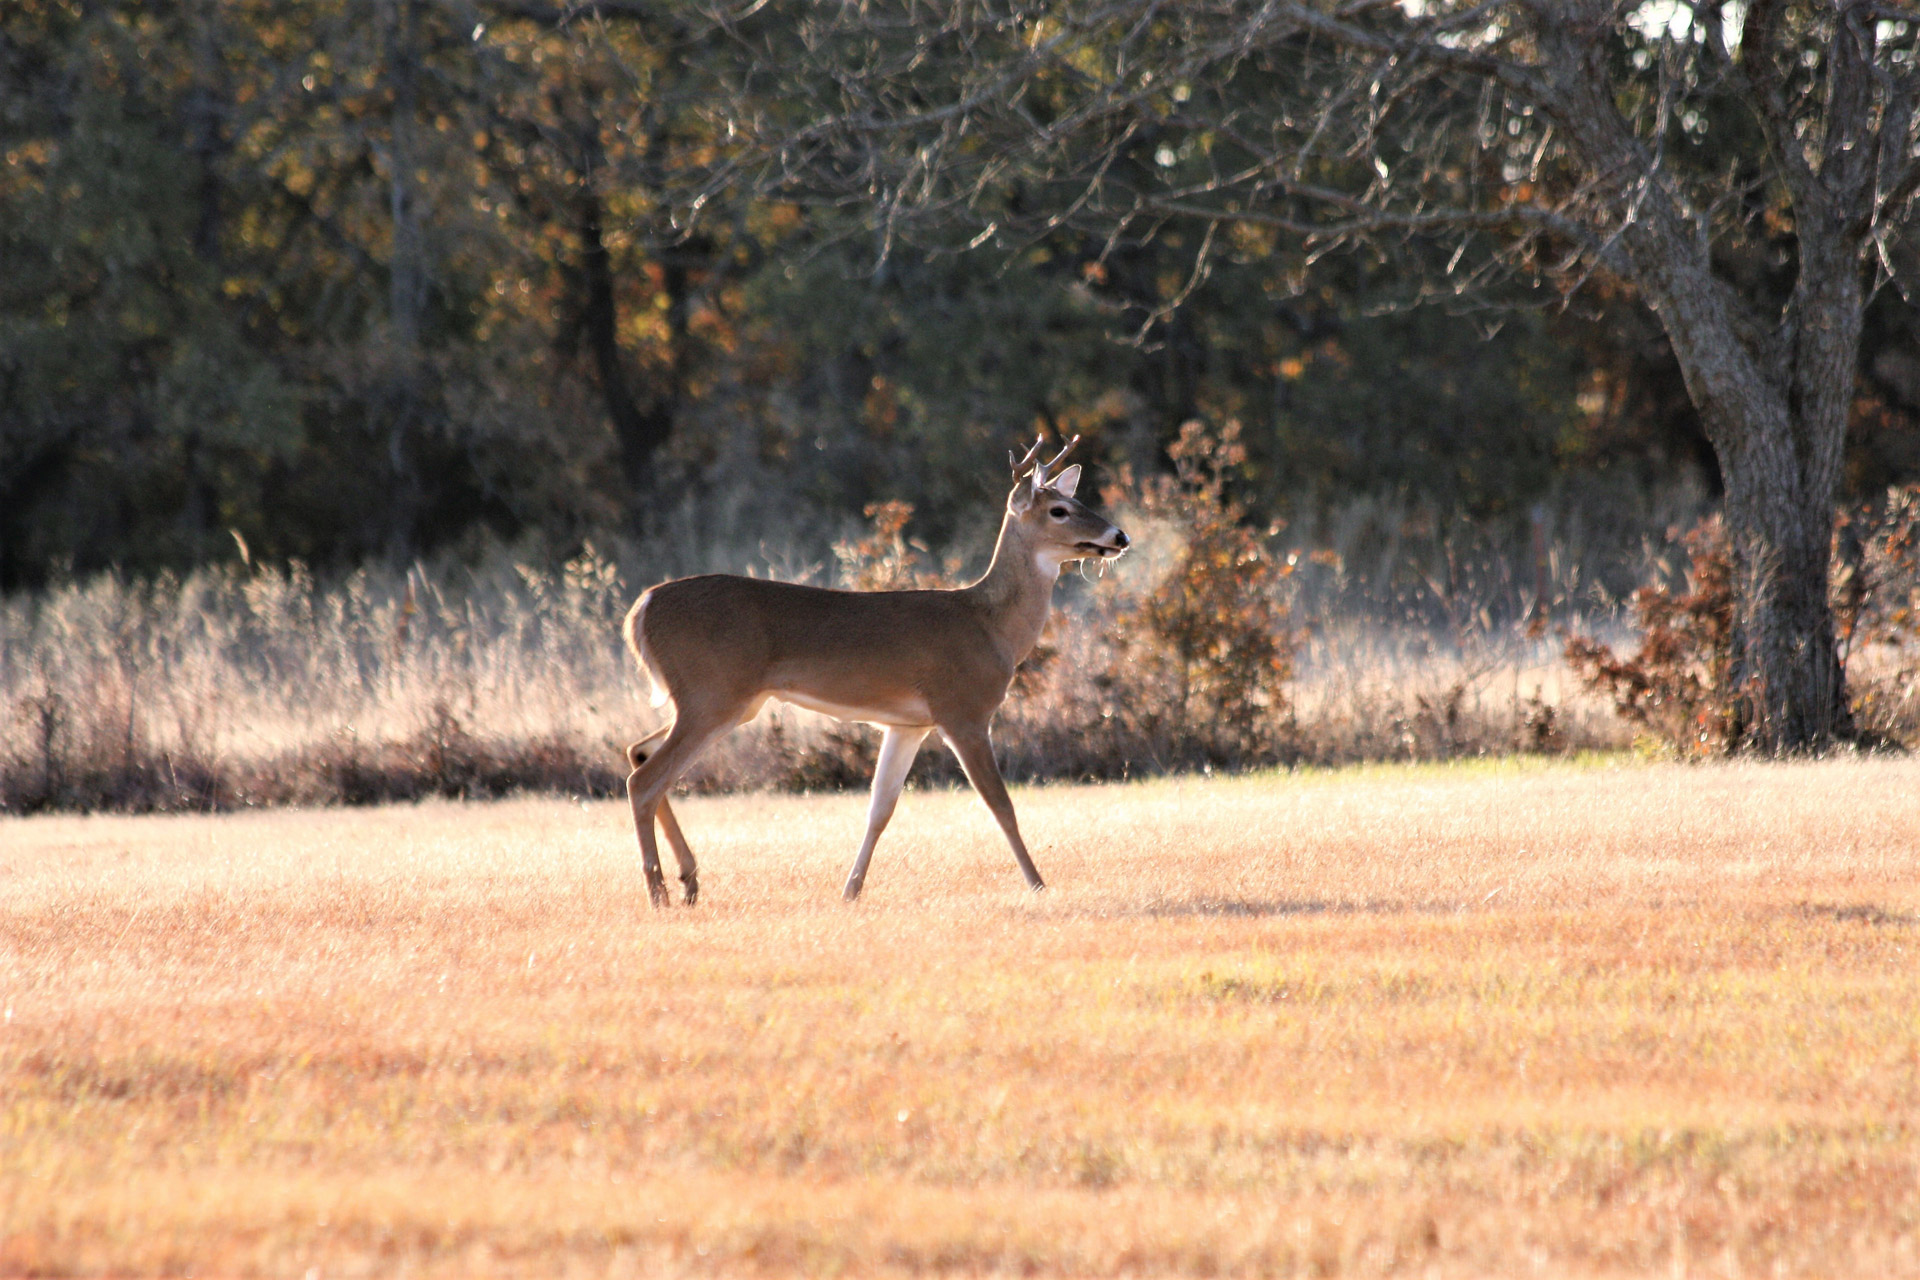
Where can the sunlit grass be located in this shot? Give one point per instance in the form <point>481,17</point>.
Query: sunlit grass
<point>1604,1019</point>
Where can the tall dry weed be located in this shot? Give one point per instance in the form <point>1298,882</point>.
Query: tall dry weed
<point>1208,647</point>
<point>240,686</point>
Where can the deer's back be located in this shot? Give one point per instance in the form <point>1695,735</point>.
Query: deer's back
<point>838,648</point>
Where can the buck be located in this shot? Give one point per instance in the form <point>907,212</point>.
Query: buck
<point>718,646</point>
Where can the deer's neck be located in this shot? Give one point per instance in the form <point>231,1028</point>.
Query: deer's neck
<point>1016,592</point>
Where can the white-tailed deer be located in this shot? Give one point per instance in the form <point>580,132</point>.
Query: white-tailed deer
<point>910,662</point>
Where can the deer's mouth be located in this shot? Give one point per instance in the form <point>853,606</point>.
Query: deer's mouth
<point>1100,550</point>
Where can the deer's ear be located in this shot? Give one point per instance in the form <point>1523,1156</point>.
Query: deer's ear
<point>1067,481</point>
<point>1020,501</point>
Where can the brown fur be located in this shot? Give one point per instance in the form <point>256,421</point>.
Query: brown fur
<point>718,646</point>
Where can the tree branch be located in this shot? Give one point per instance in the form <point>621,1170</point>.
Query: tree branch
<point>1758,65</point>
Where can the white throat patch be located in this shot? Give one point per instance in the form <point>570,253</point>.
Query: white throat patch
<point>1048,562</point>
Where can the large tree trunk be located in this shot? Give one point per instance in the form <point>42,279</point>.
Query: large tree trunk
<point>1786,663</point>
<point>1775,406</point>
<point>1788,684</point>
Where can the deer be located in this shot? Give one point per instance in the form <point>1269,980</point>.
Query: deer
<point>718,646</point>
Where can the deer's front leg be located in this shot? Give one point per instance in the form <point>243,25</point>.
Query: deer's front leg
<point>975,750</point>
<point>889,775</point>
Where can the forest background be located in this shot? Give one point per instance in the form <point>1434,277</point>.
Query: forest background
<point>427,301</point>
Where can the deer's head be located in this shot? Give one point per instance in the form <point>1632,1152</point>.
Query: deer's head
<point>1059,526</point>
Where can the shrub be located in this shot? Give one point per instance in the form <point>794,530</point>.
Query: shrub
<point>1876,605</point>
<point>1216,622</point>
<point>1188,669</point>
<point>886,559</point>
<point>1678,684</point>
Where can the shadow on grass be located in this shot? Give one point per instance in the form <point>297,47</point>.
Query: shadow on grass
<point>1858,913</point>
<point>1243,907</point>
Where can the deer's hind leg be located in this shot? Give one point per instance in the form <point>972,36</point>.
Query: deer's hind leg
<point>696,726</point>
<point>637,755</point>
<point>647,790</point>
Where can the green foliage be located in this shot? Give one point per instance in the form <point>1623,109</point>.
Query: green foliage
<point>1423,402</point>
<point>364,282</point>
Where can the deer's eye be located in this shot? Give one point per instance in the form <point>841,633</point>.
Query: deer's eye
<point>1058,513</point>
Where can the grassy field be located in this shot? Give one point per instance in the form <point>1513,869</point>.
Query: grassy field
<point>1579,1019</point>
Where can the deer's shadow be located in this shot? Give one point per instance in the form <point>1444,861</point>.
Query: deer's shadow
<point>1261,907</point>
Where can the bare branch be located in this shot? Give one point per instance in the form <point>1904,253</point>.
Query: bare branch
<point>1759,64</point>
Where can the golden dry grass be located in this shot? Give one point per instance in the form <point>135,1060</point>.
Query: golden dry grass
<point>1452,1021</point>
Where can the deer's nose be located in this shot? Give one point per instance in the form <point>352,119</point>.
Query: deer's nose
<point>1121,540</point>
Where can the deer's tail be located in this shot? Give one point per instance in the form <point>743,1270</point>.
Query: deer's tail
<point>634,629</point>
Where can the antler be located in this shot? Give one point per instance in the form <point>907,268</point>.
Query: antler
<point>1043,474</point>
<point>1020,465</point>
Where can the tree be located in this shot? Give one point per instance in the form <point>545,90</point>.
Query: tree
<point>1750,172</point>
<point>593,123</point>
<point>270,267</point>
<point>128,379</point>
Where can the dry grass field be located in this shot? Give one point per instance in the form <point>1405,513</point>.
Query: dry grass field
<point>1546,1019</point>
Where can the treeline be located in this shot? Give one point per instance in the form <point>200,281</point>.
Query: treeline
<point>337,282</point>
